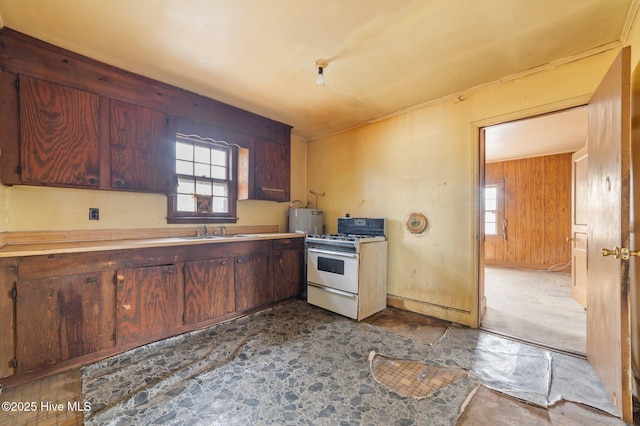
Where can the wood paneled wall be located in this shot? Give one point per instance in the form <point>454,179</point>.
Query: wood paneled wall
<point>538,211</point>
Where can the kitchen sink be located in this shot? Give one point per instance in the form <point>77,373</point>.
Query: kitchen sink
<point>228,237</point>
<point>212,237</point>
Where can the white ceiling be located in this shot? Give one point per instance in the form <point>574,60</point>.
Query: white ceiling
<point>557,133</point>
<point>384,56</point>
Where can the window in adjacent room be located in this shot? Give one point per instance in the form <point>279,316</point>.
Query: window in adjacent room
<point>206,188</point>
<point>495,225</point>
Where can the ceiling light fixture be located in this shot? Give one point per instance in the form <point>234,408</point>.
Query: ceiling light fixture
<point>322,64</point>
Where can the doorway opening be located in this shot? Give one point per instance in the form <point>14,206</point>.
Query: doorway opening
<point>528,257</point>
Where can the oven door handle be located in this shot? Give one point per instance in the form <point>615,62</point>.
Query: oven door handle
<point>333,253</point>
<point>333,290</point>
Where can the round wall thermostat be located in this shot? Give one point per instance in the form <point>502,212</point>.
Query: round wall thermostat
<point>417,223</point>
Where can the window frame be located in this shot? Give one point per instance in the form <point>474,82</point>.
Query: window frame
<point>176,216</point>
<point>501,224</point>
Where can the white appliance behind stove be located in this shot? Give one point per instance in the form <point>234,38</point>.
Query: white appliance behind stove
<point>305,221</point>
<point>347,272</point>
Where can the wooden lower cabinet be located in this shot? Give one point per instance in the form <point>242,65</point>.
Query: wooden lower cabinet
<point>60,318</point>
<point>252,281</point>
<point>147,303</point>
<point>138,296</point>
<point>287,274</point>
<point>209,290</point>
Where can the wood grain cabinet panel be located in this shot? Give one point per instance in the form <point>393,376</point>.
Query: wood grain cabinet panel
<point>140,149</point>
<point>252,281</point>
<point>59,134</point>
<point>147,304</point>
<point>209,291</point>
<point>61,318</point>
<point>287,274</point>
<point>91,125</point>
<point>272,170</point>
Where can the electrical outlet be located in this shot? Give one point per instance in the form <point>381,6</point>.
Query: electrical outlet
<point>94,214</point>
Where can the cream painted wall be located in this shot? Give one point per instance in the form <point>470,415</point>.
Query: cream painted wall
<point>4,199</point>
<point>298,169</point>
<point>28,208</point>
<point>427,161</point>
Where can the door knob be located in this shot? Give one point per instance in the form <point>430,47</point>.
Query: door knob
<point>615,252</point>
<point>620,253</point>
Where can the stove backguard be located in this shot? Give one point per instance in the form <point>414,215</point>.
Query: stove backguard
<point>373,227</point>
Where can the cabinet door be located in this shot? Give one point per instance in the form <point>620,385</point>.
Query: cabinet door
<point>252,281</point>
<point>208,290</point>
<point>287,274</point>
<point>59,135</point>
<point>140,149</point>
<point>272,170</point>
<point>147,303</point>
<point>62,318</point>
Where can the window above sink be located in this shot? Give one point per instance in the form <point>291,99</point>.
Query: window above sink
<point>206,179</point>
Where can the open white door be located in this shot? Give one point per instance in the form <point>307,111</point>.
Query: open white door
<point>579,216</point>
<point>609,217</point>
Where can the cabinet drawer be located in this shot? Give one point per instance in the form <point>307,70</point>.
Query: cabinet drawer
<point>337,301</point>
<point>288,243</point>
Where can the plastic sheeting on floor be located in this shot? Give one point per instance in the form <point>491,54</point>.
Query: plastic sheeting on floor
<point>536,375</point>
<point>521,371</point>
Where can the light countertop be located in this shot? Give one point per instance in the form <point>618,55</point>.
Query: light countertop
<point>43,248</point>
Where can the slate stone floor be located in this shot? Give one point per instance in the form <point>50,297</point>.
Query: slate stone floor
<point>297,364</point>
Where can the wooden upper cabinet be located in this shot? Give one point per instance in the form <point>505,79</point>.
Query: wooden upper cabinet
<point>91,125</point>
<point>59,134</point>
<point>264,169</point>
<point>140,148</point>
<point>272,171</point>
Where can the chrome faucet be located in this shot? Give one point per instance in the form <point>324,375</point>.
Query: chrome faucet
<point>205,230</point>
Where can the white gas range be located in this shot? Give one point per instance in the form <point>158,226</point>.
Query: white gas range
<point>347,271</point>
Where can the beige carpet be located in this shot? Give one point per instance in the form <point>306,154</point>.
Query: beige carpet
<point>535,306</point>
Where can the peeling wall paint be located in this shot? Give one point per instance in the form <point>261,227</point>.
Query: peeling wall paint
<point>427,160</point>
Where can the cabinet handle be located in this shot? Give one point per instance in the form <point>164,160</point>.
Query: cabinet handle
<point>332,290</point>
<point>92,280</point>
<point>238,260</point>
<point>224,262</point>
<point>265,188</point>
<point>92,180</point>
